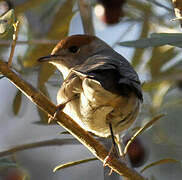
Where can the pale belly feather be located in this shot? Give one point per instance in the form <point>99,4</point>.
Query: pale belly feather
<point>96,107</point>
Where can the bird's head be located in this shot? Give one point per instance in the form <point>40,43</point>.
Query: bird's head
<point>72,51</point>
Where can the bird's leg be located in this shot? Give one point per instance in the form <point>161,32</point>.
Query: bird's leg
<point>113,151</point>
<point>60,107</point>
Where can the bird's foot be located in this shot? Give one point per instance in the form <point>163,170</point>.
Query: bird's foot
<point>59,108</point>
<point>112,153</point>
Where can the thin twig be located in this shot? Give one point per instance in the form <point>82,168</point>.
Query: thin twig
<point>95,147</point>
<point>52,142</point>
<point>30,42</point>
<point>86,16</point>
<point>160,5</point>
<point>13,45</point>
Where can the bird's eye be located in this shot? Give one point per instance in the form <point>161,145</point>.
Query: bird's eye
<point>73,49</point>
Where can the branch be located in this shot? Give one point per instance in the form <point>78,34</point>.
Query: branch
<point>33,41</point>
<point>52,142</point>
<point>15,36</point>
<point>86,16</point>
<point>71,126</point>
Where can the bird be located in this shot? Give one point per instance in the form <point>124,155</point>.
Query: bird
<point>101,91</point>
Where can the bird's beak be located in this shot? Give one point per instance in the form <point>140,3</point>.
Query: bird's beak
<point>48,58</point>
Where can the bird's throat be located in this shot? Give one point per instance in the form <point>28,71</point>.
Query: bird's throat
<point>62,68</point>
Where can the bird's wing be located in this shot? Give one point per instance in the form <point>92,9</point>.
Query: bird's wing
<point>115,75</point>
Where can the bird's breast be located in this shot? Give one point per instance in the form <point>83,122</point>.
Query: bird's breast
<point>96,107</point>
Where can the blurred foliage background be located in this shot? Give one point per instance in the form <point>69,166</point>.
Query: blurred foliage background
<point>147,36</point>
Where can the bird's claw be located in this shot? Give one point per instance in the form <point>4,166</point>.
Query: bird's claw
<point>59,107</point>
<point>105,162</point>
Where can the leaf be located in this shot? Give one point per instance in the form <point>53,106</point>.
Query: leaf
<point>159,35</point>
<point>141,130</point>
<point>141,6</point>
<point>160,39</point>
<point>162,161</point>
<point>22,7</point>
<point>58,30</point>
<point>150,85</point>
<point>171,35</point>
<point>160,93</point>
<point>143,43</point>
<point>17,102</point>
<point>138,54</point>
<point>5,162</point>
<point>46,70</point>
<point>65,132</point>
<point>69,164</point>
<point>6,23</point>
<point>160,56</point>
<point>1,77</point>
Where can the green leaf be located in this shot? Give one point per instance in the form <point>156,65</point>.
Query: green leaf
<point>162,161</point>
<point>141,130</point>
<point>173,36</point>
<point>160,93</point>
<point>156,39</point>
<point>151,85</point>
<point>1,77</point>
<point>5,162</point>
<point>6,23</point>
<point>58,30</point>
<point>65,132</point>
<point>69,164</point>
<point>159,57</point>
<point>17,102</point>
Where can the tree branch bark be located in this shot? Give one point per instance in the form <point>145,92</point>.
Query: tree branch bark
<point>65,121</point>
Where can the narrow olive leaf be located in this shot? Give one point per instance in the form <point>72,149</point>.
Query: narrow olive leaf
<point>26,177</point>
<point>26,5</point>
<point>172,35</point>
<point>176,44</point>
<point>6,23</point>
<point>158,97</point>
<point>162,161</point>
<point>141,130</point>
<point>1,77</point>
<point>65,132</point>
<point>166,35</point>
<point>138,54</point>
<point>163,56</point>
<point>151,85</point>
<point>69,164</point>
<point>17,102</point>
<point>5,162</point>
<point>58,30</point>
<point>155,40</point>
